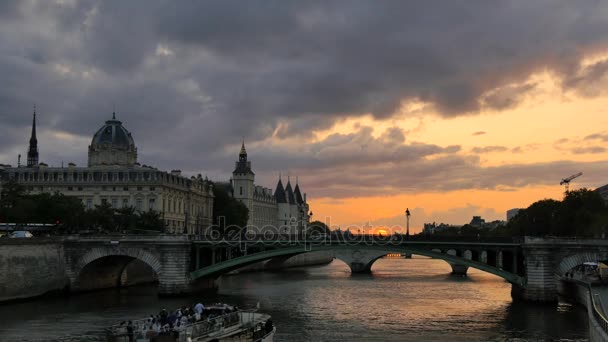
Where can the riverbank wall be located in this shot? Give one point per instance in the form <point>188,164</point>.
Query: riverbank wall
<point>579,292</point>
<point>31,268</point>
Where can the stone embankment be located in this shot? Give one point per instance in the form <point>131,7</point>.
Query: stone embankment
<point>31,268</point>
<point>591,298</point>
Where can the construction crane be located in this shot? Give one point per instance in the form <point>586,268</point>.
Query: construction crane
<point>566,181</point>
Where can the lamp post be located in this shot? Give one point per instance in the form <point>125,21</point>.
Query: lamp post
<point>407,217</point>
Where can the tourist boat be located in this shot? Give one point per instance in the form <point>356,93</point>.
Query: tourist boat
<point>239,325</point>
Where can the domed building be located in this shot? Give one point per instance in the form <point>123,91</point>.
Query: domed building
<point>113,176</point>
<point>112,145</point>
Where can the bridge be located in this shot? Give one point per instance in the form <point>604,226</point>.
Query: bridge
<point>182,265</point>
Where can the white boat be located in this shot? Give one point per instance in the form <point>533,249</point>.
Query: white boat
<point>244,325</point>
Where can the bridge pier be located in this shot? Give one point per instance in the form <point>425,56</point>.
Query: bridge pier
<point>359,260</point>
<point>541,284</point>
<point>459,269</point>
<point>175,268</point>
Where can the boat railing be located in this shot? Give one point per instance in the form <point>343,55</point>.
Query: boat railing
<point>210,325</point>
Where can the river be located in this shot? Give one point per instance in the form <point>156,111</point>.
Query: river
<point>403,300</point>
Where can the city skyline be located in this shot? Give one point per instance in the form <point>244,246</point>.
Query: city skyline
<point>444,127</point>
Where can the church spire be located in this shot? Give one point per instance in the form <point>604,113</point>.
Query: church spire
<point>32,153</point>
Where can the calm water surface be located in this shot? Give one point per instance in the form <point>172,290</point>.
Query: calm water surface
<point>403,300</point>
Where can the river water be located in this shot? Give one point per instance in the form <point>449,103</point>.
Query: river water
<point>403,300</point>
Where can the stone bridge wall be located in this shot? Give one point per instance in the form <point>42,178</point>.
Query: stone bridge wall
<point>31,267</point>
<point>168,257</point>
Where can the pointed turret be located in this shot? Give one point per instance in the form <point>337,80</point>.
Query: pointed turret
<point>279,193</point>
<point>32,153</point>
<point>243,167</point>
<point>289,192</point>
<point>298,194</point>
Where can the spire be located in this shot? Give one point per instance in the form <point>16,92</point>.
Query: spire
<point>242,165</point>
<point>243,150</point>
<point>114,115</point>
<point>32,153</point>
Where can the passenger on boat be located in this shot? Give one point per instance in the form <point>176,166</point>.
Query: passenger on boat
<point>130,331</point>
<point>199,308</point>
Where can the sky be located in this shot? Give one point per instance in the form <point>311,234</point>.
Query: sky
<point>448,108</point>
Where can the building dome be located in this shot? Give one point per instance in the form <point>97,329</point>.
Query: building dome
<point>112,145</point>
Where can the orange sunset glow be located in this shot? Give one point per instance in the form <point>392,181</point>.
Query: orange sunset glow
<point>548,127</point>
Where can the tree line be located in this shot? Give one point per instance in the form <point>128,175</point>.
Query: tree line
<point>581,213</point>
<point>69,214</point>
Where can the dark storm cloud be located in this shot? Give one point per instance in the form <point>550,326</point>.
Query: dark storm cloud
<point>189,79</point>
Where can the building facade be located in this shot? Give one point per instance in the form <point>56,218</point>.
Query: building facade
<point>114,176</point>
<point>284,211</point>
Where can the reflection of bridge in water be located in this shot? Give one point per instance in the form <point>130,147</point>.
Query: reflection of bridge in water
<point>181,265</point>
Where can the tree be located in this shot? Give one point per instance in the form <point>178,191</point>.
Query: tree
<point>227,211</point>
<point>536,220</point>
<point>318,227</point>
<point>102,217</point>
<point>10,194</point>
<point>150,220</point>
<point>581,213</point>
<point>125,218</point>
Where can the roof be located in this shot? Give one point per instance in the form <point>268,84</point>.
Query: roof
<point>298,194</point>
<point>114,134</point>
<point>289,192</point>
<point>279,193</point>
<point>243,167</point>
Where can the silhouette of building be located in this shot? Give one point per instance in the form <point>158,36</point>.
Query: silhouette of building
<point>285,211</point>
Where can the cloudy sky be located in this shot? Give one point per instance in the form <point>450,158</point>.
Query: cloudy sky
<point>450,108</point>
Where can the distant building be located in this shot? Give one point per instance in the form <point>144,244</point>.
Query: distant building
<point>114,176</point>
<point>603,191</point>
<point>432,228</point>
<point>477,221</point>
<point>285,210</point>
<point>511,213</point>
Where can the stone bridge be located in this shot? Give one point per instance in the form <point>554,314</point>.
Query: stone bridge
<point>100,261</point>
<point>182,265</point>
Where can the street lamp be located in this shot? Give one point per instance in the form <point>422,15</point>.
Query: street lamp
<point>407,216</point>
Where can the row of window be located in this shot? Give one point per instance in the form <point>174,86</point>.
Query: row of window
<point>99,176</point>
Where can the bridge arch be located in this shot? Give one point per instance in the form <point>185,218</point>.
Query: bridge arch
<point>571,261</point>
<point>372,254</point>
<point>104,267</point>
